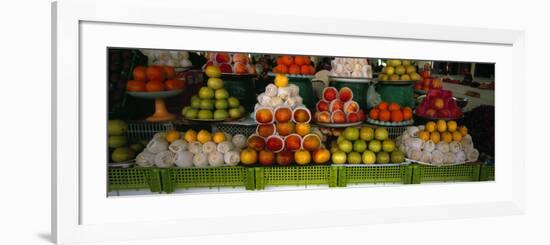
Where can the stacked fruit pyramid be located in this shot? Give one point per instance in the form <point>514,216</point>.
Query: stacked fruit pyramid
<point>294,65</point>
<point>236,63</point>
<point>284,134</point>
<point>154,78</point>
<point>213,101</point>
<point>192,149</point>
<point>438,143</point>
<point>365,146</point>
<point>390,114</point>
<point>338,107</point>
<point>439,104</point>
<point>351,67</point>
<point>399,70</point>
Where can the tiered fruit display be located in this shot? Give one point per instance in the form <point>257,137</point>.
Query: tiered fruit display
<point>192,149</point>
<point>365,146</point>
<point>351,67</point>
<point>120,149</point>
<point>294,65</point>
<point>439,104</point>
<point>441,142</point>
<point>428,82</point>
<point>338,107</point>
<point>285,131</point>
<point>390,114</point>
<point>213,102</point>
<point>399,70</point>
<point>154,78</point>
<point>234,63</point>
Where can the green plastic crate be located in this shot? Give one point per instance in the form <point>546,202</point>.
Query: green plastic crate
<point>487,172</point>
<point>296,175</point>
<point>465,172</point>
<point>134,179</point>
<point>374,174</point>
<point>184,178</point>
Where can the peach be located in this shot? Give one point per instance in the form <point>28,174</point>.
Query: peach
<point>330,93</point>
<point>321,156</point>
<point>274,143</point>
<point>338,116</point>
<point>240,58</point>
<point>336,105</point>
<point>255,142</point>
<point>283,114</point>
<point>284,158</point>
<point>362,115</point>
<point>345,94</point>
<point>311,142</point>
<point>265,130</point>
<point>266,158</point>
<point>323,117</point>
<point>226,68</point>
<point>322,105</point>
<point>240,68</point>
<point>353,117</point>
<point>223,57</point>
<point>293,142</point>
<point>264,115</point>
<point>351,106</point>
<point>285,129</point>
<point>301,115</point>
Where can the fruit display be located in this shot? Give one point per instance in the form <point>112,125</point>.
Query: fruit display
<point>121,150</point>
<point>399,70</point>
<point>154,78</point>
<point>365,146</point>
<point>192,149</point>
<point>294,65</point>
<point>351,67</point>
<point>438,143</point>
<point>169,58</point>
<point>338,107</point>
<point>427,82</point>
<point>280,93</point>
<point>439,104</point>
<point>213,101</point>
<point>231,63</point>
<point>390,114</point>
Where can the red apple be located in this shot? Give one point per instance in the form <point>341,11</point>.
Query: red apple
<point>284,158</point>
<point>431,113</point>
<point>256,142</point>
<point>322,105</point>
<point>226,68</point>
<point>338,117</point>
<point>353,117</point>
<point>274,143</point>
<point>345,94</point>
<point>330,93</point>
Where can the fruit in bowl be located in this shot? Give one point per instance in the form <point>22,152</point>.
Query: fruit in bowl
<point>439,104</point>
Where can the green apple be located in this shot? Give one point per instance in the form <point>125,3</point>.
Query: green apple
<point>359,146</point>
<point>382,157</point>
<point>375,146</point>
<point>366,134</point>
<point>233,102</point>
<point>354,158</point>
<point>191,113</point>
<point>339,157</point>
<point>221,94</point>
<point>116,127</point>
<point>117,141</point>
<point>381,133</point>
<point>207,104</point>
<point>400,70</point>
<point>351,133</point>
<point>345,146</point>
<point>122,154</point>
<point>235,113</point>
<point>221,104</point>
<point>185,109</point>
<point>406,62</point>
<point>394,62</point>
<point>205,114</point>
<point>388,145</point>
<point>369,157</point>
<point>196,103</point>
<point>136,147</point>
<point>206,93</point>
<point>241,109</point>
<point>221,114</point>
<point>397,156</point>
<point>415,76</point>
<point>340,138</point>
<point>215,83</point>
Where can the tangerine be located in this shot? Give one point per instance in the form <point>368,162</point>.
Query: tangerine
<point>374,112</point>
<point>139,73</point>
<point>299,60</point>
<point>294,69</point>
<point>394,107</point>
<point>174,84</point>
<point>407,114</point>
<point>154,86</point>
<point>383,106</point>
<point>169,72</point>
<point>135,86</point>
<point>396,116</point>
<point>155,73</point>
<point>287,60</point>
<point>305,69</point>
<point>283,69</point>
<point>384,115</point>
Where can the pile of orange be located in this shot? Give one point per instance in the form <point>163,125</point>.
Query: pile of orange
<point>154,79</point>
<point>390,112</point>
<point>295,65</point>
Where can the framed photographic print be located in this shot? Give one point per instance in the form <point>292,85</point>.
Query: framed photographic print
<point>172,125</point>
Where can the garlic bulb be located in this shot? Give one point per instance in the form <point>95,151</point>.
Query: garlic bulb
<point>438,157</point>
<point>160,135</point>
<point>467,143</point>
<point>415,143</point>
<point>275,101</point>
<point>200,160</point>
<point>442,146</point>
<point>455,147</point>
<point>460,157</point>
<point>145,159</point>
<point>429,146</point>
<point>472,155</point>
<point>416,154</point>
<point>294,90</point>
<point>178,145</point>
<point>215,159</point>
<point>294,101</point>
<point>411,132</point>
<point>209,147</point>
<point>263,99</point>
<point>271,90</point>
<point>284,93</point>
<point>157,144</point>
<point>165,159</point>
<point>184,159</point>
<point>225,146</point>
<point>403,148</point>
<point>449,158</point>
<point>195,147</point>
<point>426,157</point>
<point>231,158</point>
<point>239,141</point>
